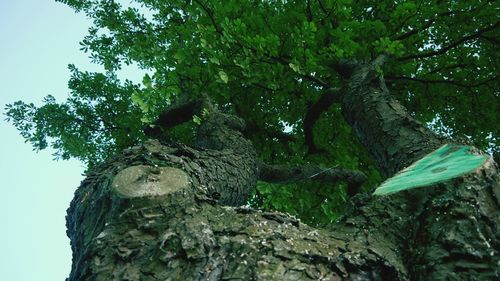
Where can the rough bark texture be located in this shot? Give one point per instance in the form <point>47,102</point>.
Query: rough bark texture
<point>393,138</point>
<point>188,235</point>
<point>195,229</point>
<point>453,227</point>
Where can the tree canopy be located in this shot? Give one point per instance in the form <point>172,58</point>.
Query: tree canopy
<point>275,65</point>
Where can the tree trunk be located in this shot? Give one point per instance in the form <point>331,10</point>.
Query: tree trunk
<point>451,229</point>
<point>170,212</point>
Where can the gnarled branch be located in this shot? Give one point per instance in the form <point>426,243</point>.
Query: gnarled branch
<point>329,97</point>
<point>174,115</point>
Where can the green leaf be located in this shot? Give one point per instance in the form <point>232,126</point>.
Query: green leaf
<point>295,67</point>
<point>204,43</point>
<point>448,162</point>
<point>205,113</point>
<point>223,76</point>
<point>215,60</point>
<point>146,81</point>
<point>179,56</point>
<point>146,120</point>
<point>136,99</point>
<point>379,70</point>
<point>196,119</point>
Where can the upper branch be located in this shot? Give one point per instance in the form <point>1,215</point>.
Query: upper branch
<point>452,45</point>
<point>329,97</point>
<point>287,174</point>
<point>210,15</point>
<point>391,135</point>
<point>450,82</point>
<point>428,24</point>
<point>181,112</point>
<point>345,68</point>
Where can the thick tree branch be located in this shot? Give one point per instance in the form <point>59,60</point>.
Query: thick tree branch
<point>452,45</point>
<point>415,31</point>
<point>449,67</point>
<point>345,67</point>
<point>382,124</point>
<point>173,116</point>
<point>380,60</point>
<point>450,82</point>
<point>492,40</point>
<point>329,97</point>
<point>182,111</point>
<point>288,174</point>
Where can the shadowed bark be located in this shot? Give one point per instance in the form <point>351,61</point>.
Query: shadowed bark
<point>313,113</point>
<point>453,227</point>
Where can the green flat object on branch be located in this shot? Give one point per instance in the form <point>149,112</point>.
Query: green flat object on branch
<point>447,162</point>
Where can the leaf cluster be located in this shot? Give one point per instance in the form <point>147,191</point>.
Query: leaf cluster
<point>269,62</point>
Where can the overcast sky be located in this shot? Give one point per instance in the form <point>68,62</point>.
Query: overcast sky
<point>39,38</point>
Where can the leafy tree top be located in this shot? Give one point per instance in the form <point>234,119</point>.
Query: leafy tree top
<point>273,63</point>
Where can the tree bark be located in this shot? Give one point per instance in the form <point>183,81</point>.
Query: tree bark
<point>171,212</point>
<point>452,228</point>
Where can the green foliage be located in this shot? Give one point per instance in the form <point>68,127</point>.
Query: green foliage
<point>312,202</point>
<point>97,120</point>
<point>196,119</point>
<point>268,61</point>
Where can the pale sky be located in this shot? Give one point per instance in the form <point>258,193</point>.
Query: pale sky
<point>38,39</point>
